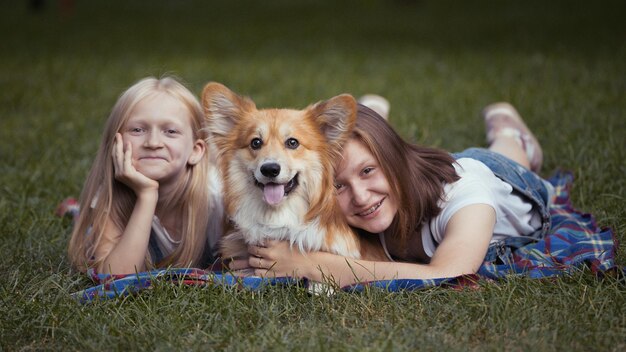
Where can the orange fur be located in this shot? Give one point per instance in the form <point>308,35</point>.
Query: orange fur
<point>274,191</point>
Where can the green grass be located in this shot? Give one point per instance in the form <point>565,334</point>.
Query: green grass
<point>438,62</point>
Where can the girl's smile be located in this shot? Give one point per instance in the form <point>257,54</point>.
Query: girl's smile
<point>371,211</point>
<point>155,158</point>
<point>363,191</point>
<point>159,131</point>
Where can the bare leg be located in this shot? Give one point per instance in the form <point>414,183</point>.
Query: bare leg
<point>508,135</point>
<point>509,147</point>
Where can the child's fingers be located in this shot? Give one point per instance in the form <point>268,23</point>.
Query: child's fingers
<point>238,264</point>
<point>118,153</point>
<point>125,171</point>
<point>128,157</point>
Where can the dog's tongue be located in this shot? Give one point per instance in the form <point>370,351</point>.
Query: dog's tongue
<point>273,193</point>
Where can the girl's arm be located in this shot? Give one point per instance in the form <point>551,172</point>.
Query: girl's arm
<point>124,250</point>
<point>465,243</point>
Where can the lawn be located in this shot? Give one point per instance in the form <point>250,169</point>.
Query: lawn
<point>562,63</point>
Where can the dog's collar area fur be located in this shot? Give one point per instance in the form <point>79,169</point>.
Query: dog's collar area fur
<point>289,186</point>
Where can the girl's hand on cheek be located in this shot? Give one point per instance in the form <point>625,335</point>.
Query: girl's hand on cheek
<point>278,259</point>
<point>126,173</point>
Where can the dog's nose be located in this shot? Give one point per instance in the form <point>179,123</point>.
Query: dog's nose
<point>270,169</point>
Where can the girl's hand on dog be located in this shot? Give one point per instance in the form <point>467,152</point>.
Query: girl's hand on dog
<point>239,264</point>
<point>279,259</point>
<point>126,173</point>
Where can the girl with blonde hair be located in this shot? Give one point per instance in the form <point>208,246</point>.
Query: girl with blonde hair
<point>152,196</point>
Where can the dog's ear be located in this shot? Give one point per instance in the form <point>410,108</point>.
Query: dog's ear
<point>223,108</point>
<point>336,117</point>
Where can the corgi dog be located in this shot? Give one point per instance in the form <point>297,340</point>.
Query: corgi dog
<point>278,173</point>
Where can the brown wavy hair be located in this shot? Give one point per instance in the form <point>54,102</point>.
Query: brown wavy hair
<point>416,174</point>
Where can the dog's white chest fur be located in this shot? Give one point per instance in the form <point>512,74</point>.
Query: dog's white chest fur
<point>258,221</point>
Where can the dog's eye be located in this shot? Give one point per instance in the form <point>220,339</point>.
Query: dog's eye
<point>292,143</point>
<point>256,143</point>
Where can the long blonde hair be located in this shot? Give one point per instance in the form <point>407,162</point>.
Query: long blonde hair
<point>105,198</point>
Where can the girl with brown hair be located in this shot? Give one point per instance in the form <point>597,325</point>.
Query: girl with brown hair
<point>436,214</point>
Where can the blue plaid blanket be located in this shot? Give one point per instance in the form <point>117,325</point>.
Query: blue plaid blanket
<point>575,241</point>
